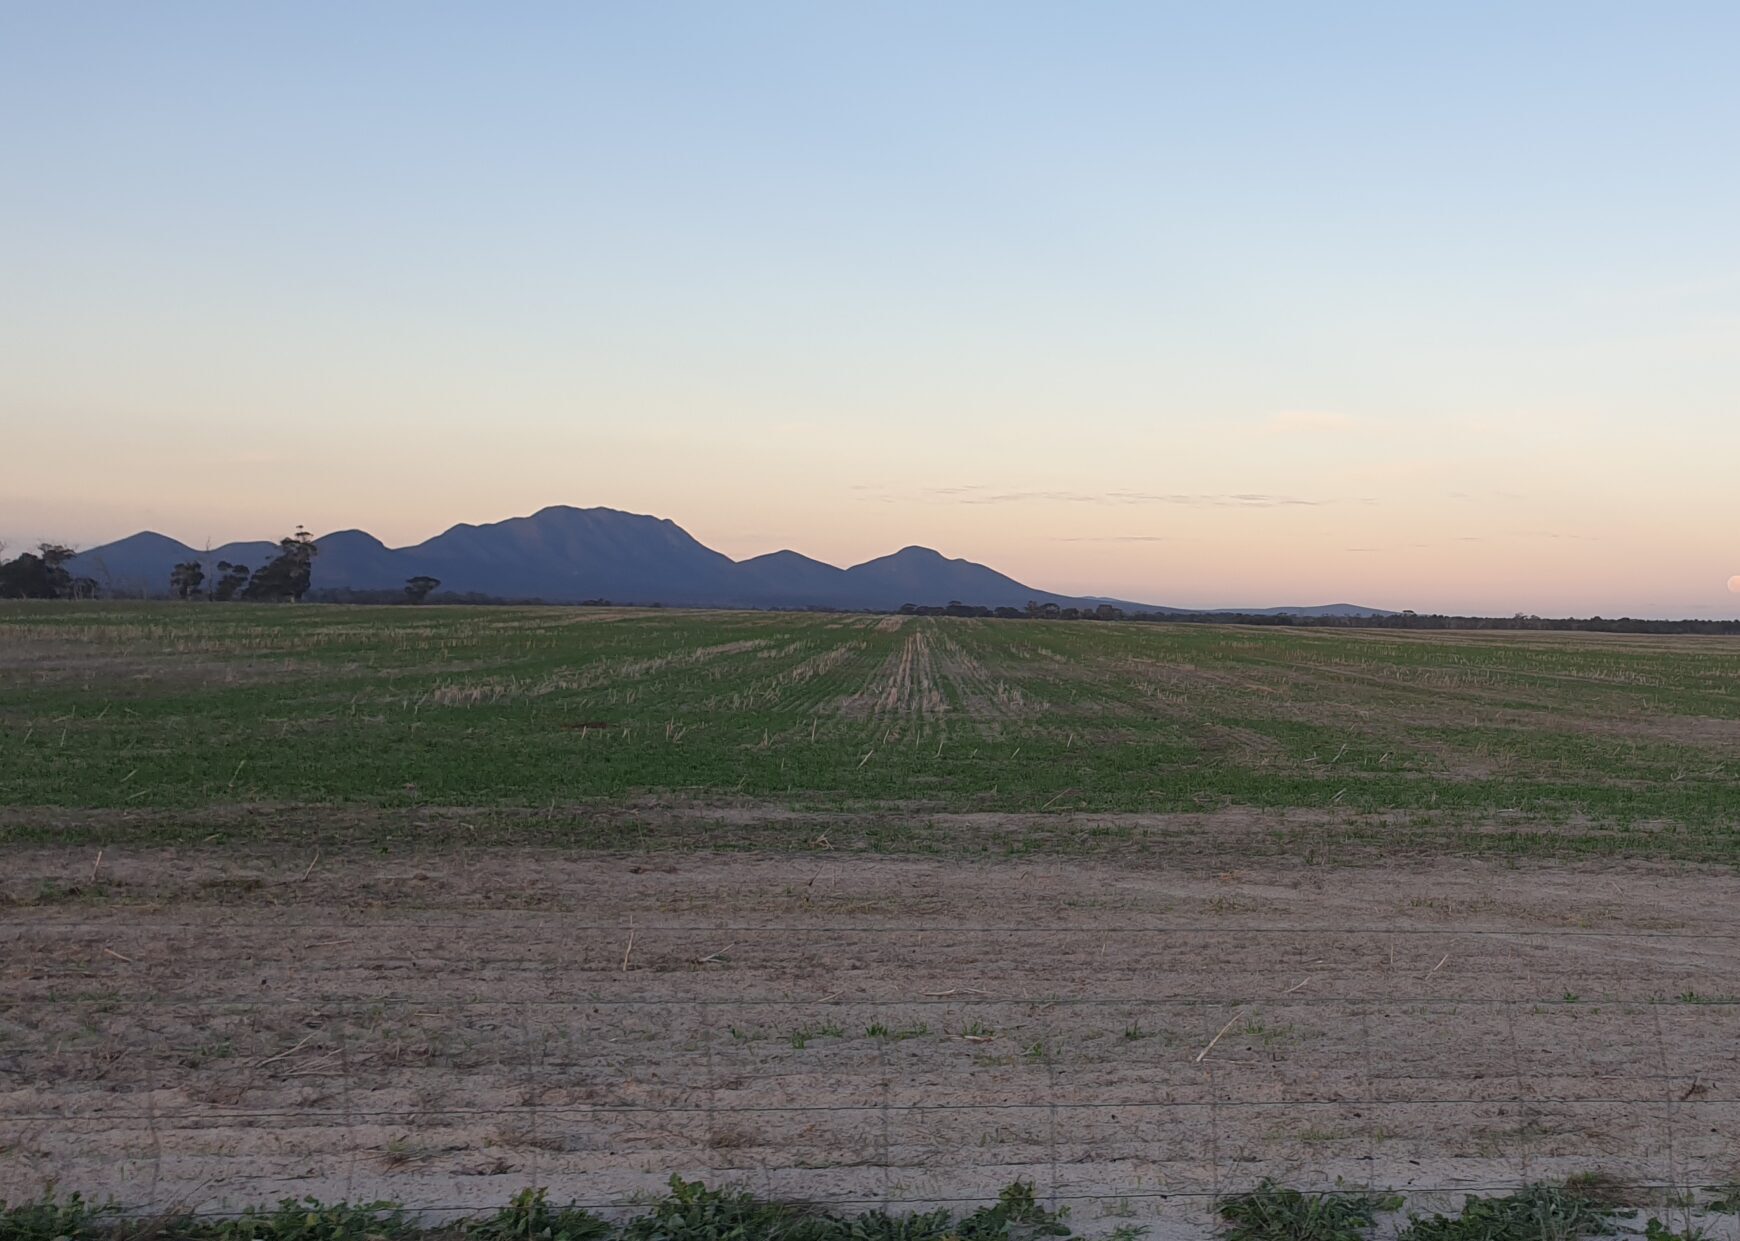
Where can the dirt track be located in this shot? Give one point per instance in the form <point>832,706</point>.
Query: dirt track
<point>204,1030</point>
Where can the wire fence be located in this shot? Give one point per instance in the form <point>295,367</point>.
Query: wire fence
<point>1127,1071</point>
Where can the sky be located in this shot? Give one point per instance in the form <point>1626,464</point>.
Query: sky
<point>1413,306</point>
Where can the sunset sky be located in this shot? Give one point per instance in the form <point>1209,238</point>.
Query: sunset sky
<point>1255,303</point>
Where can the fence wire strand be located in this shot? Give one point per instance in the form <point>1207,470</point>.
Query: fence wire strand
<point>930,932</point>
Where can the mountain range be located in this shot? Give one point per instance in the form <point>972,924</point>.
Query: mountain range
<point>563,554</point>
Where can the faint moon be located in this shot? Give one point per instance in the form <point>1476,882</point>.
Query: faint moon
<point>1734,585</point>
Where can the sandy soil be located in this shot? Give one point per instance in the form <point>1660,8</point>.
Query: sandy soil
<point>207,1029</point>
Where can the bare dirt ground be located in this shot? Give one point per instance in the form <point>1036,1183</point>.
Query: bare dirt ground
<point>211,1029</point>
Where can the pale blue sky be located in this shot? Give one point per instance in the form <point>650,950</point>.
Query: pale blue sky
<point>1453,290</point>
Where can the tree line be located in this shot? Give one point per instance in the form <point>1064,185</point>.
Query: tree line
<point>1394,620</point>
<point>1435,620</point>
<point>285,578</point>
<point>1033,611</point>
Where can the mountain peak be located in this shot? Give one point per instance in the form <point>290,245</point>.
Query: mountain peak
<point>572,512</point>
<point>784,556</point>
<point>150,539</point>
<point>351,536</point>
<point>914,556</point>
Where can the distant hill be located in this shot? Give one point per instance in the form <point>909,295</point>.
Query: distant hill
<point>564,555</point>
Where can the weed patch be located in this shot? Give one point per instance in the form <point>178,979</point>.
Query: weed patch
<point>1272,1212</point>
<point>690,1211</point>
<point>1535,1213</point>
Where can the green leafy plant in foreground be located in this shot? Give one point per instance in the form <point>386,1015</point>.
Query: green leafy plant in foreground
<point>530,1217</point>
<point>1655,1230</point>
<point>689,1212</point>
<point>1726,1200</point>
<point>693,1212</point>
<point>1272,1212</point>
<point>1534,1213</point>
<point>1017,1214</point>
<point>47,1220</point>
<point>309,1219</point>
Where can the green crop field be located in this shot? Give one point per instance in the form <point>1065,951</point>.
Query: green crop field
<point>599,726</point>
